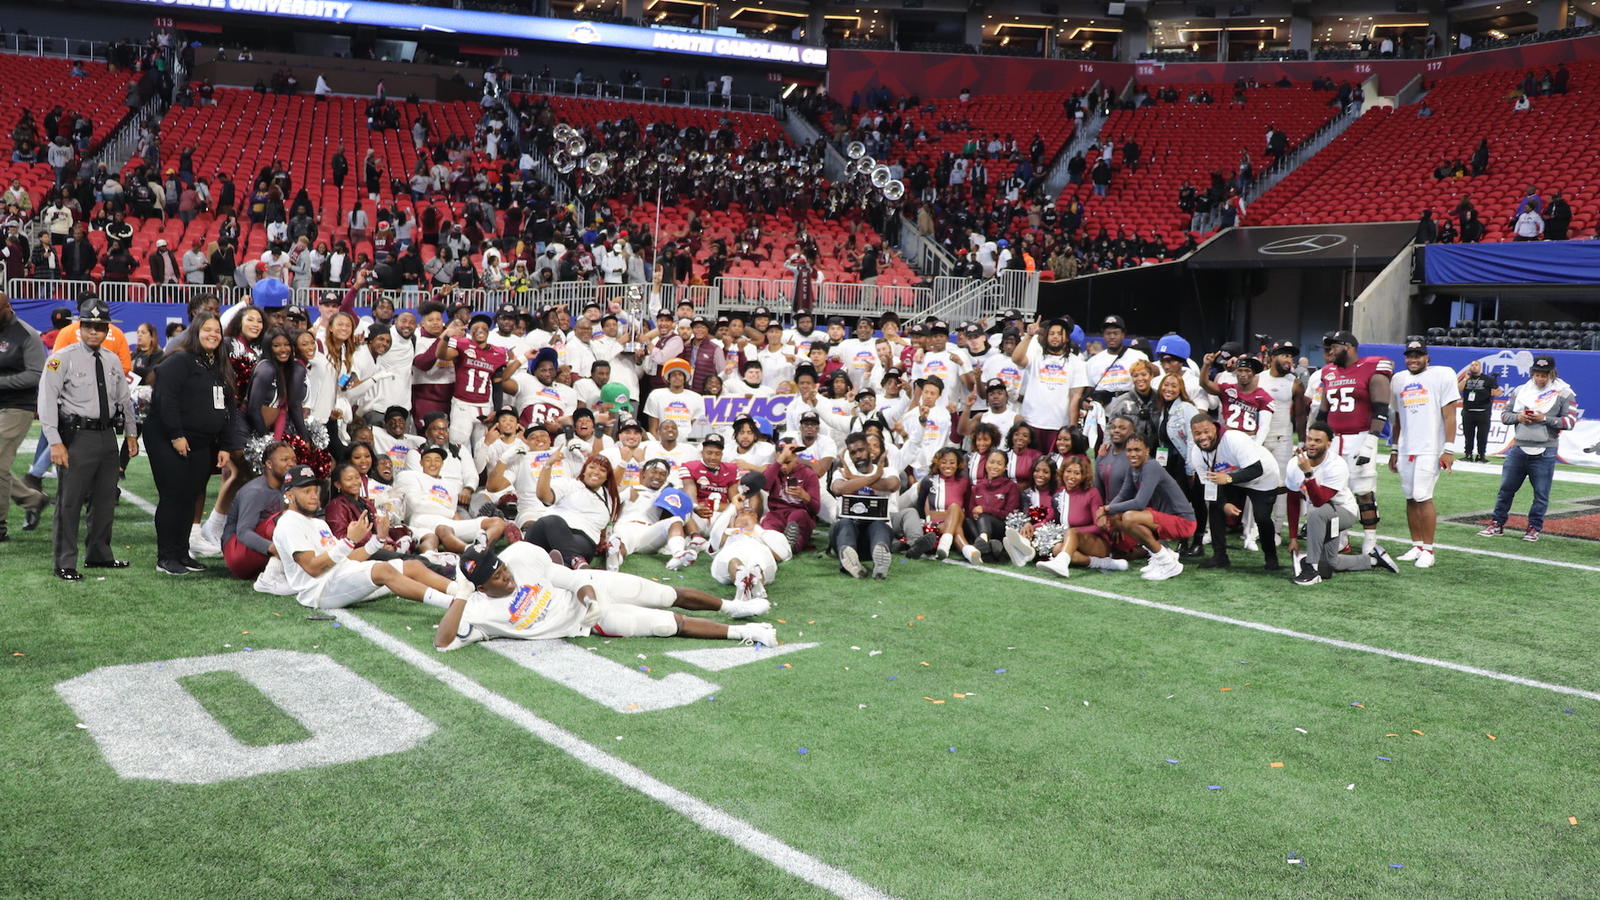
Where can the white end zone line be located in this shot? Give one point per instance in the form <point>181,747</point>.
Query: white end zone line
<point>830,878</point>
<point>1299,635</point>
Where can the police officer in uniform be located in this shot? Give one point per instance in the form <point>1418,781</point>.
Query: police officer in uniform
<point>83,401</point>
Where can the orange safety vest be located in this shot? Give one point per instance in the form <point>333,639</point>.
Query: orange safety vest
<point>1027,262</point>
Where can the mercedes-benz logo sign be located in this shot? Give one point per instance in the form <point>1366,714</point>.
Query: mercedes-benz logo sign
<point>1305,243</point>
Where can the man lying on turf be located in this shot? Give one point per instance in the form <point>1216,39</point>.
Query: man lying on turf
<point>520,593</point>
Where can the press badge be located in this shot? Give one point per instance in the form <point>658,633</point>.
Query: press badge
<point>1161,457</point>
<point>1211,492</point>
<point>218,398</point>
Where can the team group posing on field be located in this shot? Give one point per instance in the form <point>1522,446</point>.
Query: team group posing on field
<point>502,467</point>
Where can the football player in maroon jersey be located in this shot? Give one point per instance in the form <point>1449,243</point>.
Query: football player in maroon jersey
<point>1355,405</point>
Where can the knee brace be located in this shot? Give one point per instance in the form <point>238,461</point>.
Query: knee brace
<point>1368,510</point>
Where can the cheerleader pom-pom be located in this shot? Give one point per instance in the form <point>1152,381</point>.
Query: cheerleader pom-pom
<point>318,434</point>
<point>255,451</point>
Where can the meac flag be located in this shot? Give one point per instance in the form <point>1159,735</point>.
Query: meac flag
<point>675,502</point>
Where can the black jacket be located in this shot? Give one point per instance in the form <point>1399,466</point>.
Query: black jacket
<point>183,403</point>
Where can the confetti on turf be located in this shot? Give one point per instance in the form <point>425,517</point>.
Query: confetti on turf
<point>711,698</point>
<point>1397,865</point>
<point>1392,734</point>
<point>227,645</point>
<point>19,654</point>
<point>873,616</point>
<point>874,652</point>
<point>785,666</point>
<point>619,737</point>
<point>1572,820</point>
<point>959,696</point>
<point>644,668</point>
<point>811,621</point>
<point>1386,759</point>
<point>924,663</point>
<point>952,750</point>
<point>854,647</point>
<point>893,677</point>
<point>861,706</point>
<point>921,618</point>
<point>1213,787</point>
<point>999,671</point>
<point>1359,705</point>
<point>782,622</point>
<point>911,624</point>
<point>81,725</point>
<point>244,632</point>
<point>249,649</point>
<point>1349,787</point>
<point>337,625</point>
<point>1491,737</point>
<point>1302,730</point>
<point>639,655</point>
<point>1085,703</point>
<point>1173,761</point>
<point>1170,696</point>
<point>1414,731</point>
<point>1567,711</point>
<point>1227,689</point>
<point>804,751</point>
<point>1276,765</point>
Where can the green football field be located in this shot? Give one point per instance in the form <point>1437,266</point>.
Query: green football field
<point>952,732</point>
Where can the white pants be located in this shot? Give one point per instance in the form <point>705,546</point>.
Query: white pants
<point>1363,477</point>
<point>346,584</point>
<point>749,550</point>
<point>1418,474</point>
<point>465,427</point>
<point>1282,449</point>
<point>643,537</point>
<point>467,530</point>
<point>631,606</point>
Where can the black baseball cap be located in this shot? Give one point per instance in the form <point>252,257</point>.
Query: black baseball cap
<point>995,384</point>
<point>631,424</point>
<point>1249,362</point>
<point>917,329</point>
<point>299,477</point>
<point>295,312</point>
<point>761,311</point>
<point>432,448</point>
<point>1284,345</point>
<point>810,417</point>
<point>507,311</point>
<point>506,411</point>
<point>938,326</point>
<point>865,392</point>
<point>892,372</point>
<point>1544,362</point>
<point>1114,322</point>
<point>972,328</point>
<point>479,563</point>
<point>1415,344</point>
<point>1340,337</point>
<point>700,320</point>
<point>934,380</point>
<point>716,440</point>
<point>836,320</point>
<point>393,411</point>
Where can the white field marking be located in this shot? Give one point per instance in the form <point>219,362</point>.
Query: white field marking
<point>830,878</point>
<point>139,501</point>
<point>1300,635</point>
<point>719,659</point>
<point>1498,555</point>
<point>1560,475</point>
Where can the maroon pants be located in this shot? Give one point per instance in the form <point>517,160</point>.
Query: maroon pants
<point>243,562</point>
<point>778,519</point>
<point>429,398</point>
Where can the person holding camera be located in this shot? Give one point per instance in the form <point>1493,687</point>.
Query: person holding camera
<point>83,401</point>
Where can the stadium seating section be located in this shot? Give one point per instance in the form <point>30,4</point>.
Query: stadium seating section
<point>1185,141</point>
<point>246,131</point>
<point>1517,334</point>
<point>1381,168</point>
<point>37,85</point>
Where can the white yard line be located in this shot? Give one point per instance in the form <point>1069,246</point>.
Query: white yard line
<point>1560,475</point>
<point>1067,585</point>
<point>1499,555</point>
<point>830,878</point>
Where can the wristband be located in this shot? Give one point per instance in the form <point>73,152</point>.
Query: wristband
<point>1453,448</point>
<point>373,545</point>
<point>340,551</point>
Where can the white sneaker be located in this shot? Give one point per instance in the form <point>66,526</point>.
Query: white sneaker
<point>746,609</point>
<point>1165,569</point>
<point>972,554</point>
<point>1252,545</point>
<point>1410,555</point>
<point>850,560</point>
<point>614,557</point>
<point>698,542</point>
<point>1058,565</point>
<point>682,559</point>
<point>942,549</point>
<point>199,546</point>
<point>758,633</point>
<point>761,588</point>
<point>1017,547</point>
<point>1107,564</point>
<point>1425,559</point>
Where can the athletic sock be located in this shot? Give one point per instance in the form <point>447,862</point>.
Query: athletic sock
<point>1369,540</point>
<point>945,540</point>
<point>675,544</point>
<point>1097,562</point>
<point>437,599</point>
<point>214,525</point>
<point>1426,547</point>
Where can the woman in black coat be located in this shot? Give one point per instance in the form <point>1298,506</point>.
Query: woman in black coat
<point>186,432</point>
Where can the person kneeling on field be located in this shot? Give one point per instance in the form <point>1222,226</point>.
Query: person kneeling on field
<point>1149,508</point>
<point>1323,478</point>
<point>324,572</point>
<point>520,593</point>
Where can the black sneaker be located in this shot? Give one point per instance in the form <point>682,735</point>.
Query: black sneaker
<point>791,533</point>
<point>171,567</point>
<point>1216,562</point>
<point>192,564</point>
<point>1382,560</point>
<point>1193,550</point>
<point>1308,575</point>
<point>921,547</point>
